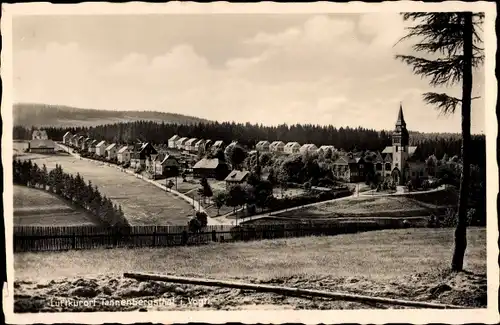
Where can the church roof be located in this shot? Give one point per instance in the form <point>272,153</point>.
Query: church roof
<point>390,149</point>
<point>401,119</point>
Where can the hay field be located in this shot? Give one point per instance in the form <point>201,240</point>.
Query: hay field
<point>142,203</point>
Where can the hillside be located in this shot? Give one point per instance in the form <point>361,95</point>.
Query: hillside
<point>28,114</point>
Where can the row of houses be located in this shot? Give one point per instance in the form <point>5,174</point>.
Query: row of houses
<point>291,147</point>
<point>193,145</point>
<point>142,155</point>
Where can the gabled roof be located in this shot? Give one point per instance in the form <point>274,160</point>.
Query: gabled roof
<point>343,160</point>
<point>218,143</point>
<point>174,138</point>
<point>237,176</point>
<point>123,149</point>
<point>182,140</point>
<point>200,141</point>
<point>163,157</point>
<point>190,142</point>
<point>276,143</point>
<point>206,163</point>
<point>378,158</point>
<point>111,146</point>
<point>93,142</point>
<point>388,158</point>
<point>292,144</point>
<point>326,147</point>
<point>100,144</point>
<point>80,137</point>
<point>67,133</point>
<point>308,146</point>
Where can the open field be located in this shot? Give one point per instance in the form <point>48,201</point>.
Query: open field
<point>142,203</point>
<point>33,207</point>
<point>406,264</point>
<point>376,206</point>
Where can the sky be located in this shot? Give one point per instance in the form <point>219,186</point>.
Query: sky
<point>327,69</point>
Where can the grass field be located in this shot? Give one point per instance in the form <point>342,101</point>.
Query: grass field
<point>405,264</point>
<point>142,203</point>
<point>385,206</point>
<point>33,207</point>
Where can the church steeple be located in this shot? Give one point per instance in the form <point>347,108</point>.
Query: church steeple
<point>401,119</point>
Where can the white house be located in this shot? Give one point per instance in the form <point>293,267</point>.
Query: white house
<point>111,151</point>
<point>39,135</point>
<point>123,155</point>
<point>324,148</point>
<point>92,146</point>
<point>100,148</point>
<point>172,141</point>
<point>277,146</point>
<point>66,137</point>
<point>199,146</point>
<point>189,144</point>
<point>309,147</point>
<point>262,145</point>
<point>292,147</point>
<point>180,143</point>
<point>218,145</point>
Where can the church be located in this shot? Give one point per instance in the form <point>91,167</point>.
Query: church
<point>399,159</point>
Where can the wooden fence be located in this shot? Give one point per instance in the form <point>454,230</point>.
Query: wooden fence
<point>40,238</point>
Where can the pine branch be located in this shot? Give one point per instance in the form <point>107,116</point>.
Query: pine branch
<point>444,103</point>
<point>441,71</point>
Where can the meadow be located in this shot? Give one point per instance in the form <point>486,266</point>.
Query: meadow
<point>34,207</point>
<point>407,264</point>
<point>142,203</point>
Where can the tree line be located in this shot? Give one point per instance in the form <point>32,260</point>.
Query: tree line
<point>71,188</point>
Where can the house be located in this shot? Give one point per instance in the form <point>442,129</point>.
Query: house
<point>324,148</point>
<point>92,145</point>
<point>401,156</point>
<point>42,146</point>
<point>236,177</point>
<point>39,135</point>
<point>74,139</point>
<point>66,137</point>
<point>123,155</point>
<point>189,144</point>
<point>111,151</point>
<point>142,153</point>
<point>208,145</point>
<point>85,143</point>
<point>308,148</point>
<point>210,168</point>
<point>165,165</point>
<point>378,166</point>
<point>277,146</point>
<point>180,143</point>
<point>79,141</point>
<point>349,168</point>
<point>219,144</point>
<point>292,147</point>
<point>262,145</point>
<point>172,141</point>
<point>100,148</point>
<point>199,146</point>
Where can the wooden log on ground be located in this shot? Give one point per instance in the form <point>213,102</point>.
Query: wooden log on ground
<point>287,291</point>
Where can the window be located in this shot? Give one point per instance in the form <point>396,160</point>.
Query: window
<point>421,173</point>
<point>396,148</point>
<point>379,166</point>
<point>361,166</point>
<point>387,166</point>
<point>396,165</point>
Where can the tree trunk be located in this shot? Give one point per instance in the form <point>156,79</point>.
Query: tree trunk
<point>461,230</point>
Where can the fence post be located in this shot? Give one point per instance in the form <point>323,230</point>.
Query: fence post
<point>184,237</point>
<point>214,235</point>
<point>73,242</point>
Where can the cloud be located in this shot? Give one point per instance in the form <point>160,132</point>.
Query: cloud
<point>327,70</point>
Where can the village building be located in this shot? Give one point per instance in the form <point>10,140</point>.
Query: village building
<point>207,146</point>
<point>277,146</point>
<point>43,146</point>
<point>210,168</point>
<point>141,154</point>
<point>236,177</point>
<point>189,145</point>
<point>74,139</point>
<point>123,155</point>
<point>164,165</point>
<point>404,165</point>
<point>172,141</point>
<point>378,166</point>
<point>199,146</point>
<point>349,168</point>
<point>79,141</point>
<point>111,151</point>
<point>180,143</point>
<point>100,148</point>
<point>66,138</point>
<point>85,143</point>
<point>325,148</point>
<point>262,145</point>
<point>92,146</point>
<point>219,144</point>
<point>292,148</point>
<point>308,148</point>
<point>39,135</point>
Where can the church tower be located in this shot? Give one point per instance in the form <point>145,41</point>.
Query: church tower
<point>400,143</point>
